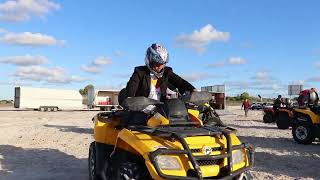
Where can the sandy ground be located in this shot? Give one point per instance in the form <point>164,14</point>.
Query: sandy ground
<point>54,145</point>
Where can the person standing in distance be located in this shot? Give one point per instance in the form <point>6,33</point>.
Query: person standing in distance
<point>245,106</point>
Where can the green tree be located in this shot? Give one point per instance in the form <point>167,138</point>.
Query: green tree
<point>245,95</point>
<point>84,91</point>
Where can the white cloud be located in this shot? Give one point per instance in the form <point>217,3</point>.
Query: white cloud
<point>298,82</point>
<point>51,75</point>
<point>117,86</point>
<point>122,75</point>
<point>118,53</point>
<point>247,45</point>
<point>265,89</point>
<point>38,73</point>
<point>29,39</point>
<point>16,83</point>
<point>230,61</point>
<point>23,10</point>
<point>313,79</point>
<point>262,75</point>
<point>317,65</point>
<point>199,40</point>
<point>197,76</point>
<point>264,85</point>
<point>216,65</point>
<point>5,83</point>
<point>78,78</point>
<point>315,53</point>
<point>91,69</point>
<point>264,80</point>
<point>239,84</point>
<point>276,87</point>
<point>236,60</point>
<point>26,60</point>
<point>3,31</point>
<point>96,66</point>
<point>102,61</point>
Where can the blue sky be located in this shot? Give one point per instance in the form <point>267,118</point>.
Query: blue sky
<point>255,46</point>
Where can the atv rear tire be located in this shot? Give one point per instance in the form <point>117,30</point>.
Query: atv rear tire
<point>283,121</point>
<point>302,133</point>
<point>132,171</point>
<point>268,118</point>
<point>92,162</point>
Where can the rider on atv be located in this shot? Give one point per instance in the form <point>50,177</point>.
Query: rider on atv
<point>307,97</point>
<point>277,104</point>
<point>157,81</point>
<point>152,80</point>
<point>135,143</point>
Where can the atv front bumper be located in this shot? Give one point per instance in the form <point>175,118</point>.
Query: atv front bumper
<point>225,173</point>
<point>178,134</point>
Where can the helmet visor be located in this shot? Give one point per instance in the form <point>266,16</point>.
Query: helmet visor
<point>155,64</point>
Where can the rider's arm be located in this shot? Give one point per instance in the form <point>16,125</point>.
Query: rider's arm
<point>178,82</point>
<point>133,83</point>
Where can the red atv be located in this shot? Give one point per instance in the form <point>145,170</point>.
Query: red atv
<point>282,116</point>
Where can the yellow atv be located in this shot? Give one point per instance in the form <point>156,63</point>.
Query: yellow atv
<point>306,124</point>
<point>169,142</point>
<point>206,113</point>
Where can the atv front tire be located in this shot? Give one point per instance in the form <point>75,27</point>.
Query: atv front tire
<point>302,133</point>
<point>283,121</point>
<point>244,176</point>
<point>213,121</point>
<point>247,176</point>
<point>132,171</point>
<point>92,162</point>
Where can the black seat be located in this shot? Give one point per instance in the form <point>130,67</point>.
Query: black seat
<point>173,109</point>
<point>122,96</point>
<point>315,108</point>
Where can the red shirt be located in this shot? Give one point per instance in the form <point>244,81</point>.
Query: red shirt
<point>305,92</point>
<point>246,104</point>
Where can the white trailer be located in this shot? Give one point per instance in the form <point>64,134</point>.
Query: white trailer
<point>44,99</point>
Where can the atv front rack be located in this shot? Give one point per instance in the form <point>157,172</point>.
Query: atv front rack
<point>176,133</point>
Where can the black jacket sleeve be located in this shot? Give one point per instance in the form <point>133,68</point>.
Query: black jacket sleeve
<point>178,82</point>
<point>133,83</point>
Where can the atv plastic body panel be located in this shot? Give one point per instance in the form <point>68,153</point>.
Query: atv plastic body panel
<point>184,143</point>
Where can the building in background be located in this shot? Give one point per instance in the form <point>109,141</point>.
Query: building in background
<point>218,95</point>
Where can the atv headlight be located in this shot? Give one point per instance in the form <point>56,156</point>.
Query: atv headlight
<point>237,157</point>
<point>168,163</point>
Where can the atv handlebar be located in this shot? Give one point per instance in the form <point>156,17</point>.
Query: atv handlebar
<point>139,103</point>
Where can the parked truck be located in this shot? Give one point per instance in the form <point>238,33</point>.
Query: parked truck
<point>218,96</point>
<point>106,100</point>
<point>44,99</point>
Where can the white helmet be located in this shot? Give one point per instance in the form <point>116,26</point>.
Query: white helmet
<point>156,54</point>
<point>313,97</point>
